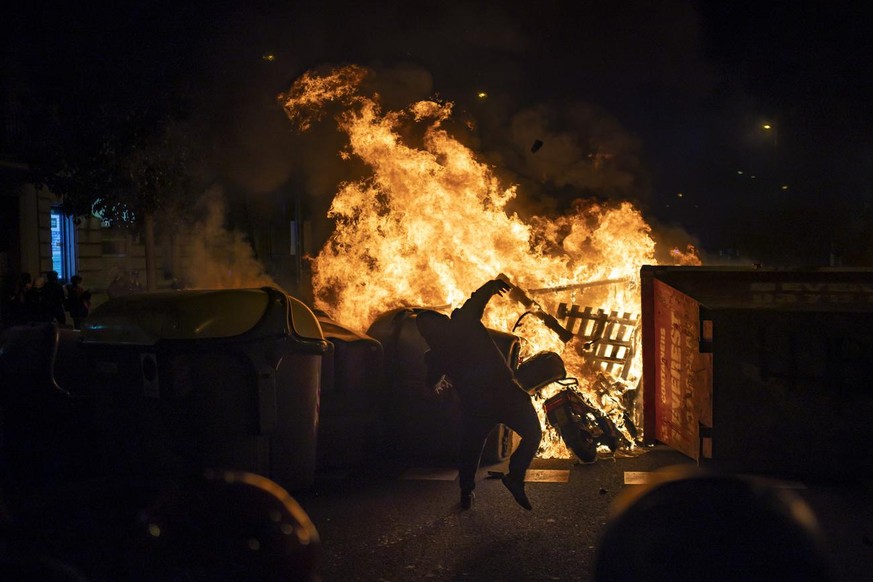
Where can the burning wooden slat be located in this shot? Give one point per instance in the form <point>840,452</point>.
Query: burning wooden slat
<point>585,285</point>
<point>611,335</point>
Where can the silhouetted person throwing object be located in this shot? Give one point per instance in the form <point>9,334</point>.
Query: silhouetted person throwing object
<point>461,347</point>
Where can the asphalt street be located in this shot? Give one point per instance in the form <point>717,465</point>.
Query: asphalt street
<point>404,522</point>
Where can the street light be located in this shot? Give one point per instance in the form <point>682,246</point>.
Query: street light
<point>769,128</point>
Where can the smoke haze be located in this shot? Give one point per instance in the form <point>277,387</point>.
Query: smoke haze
<point>217,257</point>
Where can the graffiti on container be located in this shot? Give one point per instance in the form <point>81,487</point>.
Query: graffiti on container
<point>678,370</point>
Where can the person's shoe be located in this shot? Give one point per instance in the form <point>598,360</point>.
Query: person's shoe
<point>467,499</point>
<point>517,490</point>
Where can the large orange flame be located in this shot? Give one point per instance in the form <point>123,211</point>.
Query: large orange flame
<point>430,224</point>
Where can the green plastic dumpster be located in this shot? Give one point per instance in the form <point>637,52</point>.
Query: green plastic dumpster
<point>219,379</point>
<point>351,424</point>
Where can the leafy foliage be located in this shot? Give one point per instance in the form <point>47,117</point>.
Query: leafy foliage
<point>108,110</point>
<point>117,165</point>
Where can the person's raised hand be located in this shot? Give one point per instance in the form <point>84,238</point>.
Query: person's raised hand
<point>499,287</point>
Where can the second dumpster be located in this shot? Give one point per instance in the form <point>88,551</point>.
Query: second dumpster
<point>196,379</point>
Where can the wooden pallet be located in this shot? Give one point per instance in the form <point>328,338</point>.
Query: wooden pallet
<point>611,336</point>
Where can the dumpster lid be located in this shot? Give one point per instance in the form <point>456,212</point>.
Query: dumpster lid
<point>335,331</point>
<point>146,318</point>
<point>827,289</point>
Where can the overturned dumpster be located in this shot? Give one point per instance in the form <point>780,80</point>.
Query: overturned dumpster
<point>196,379</point>
<point>756,370</point>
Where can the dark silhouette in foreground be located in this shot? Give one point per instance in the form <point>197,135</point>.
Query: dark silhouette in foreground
<point>463,353</point>
<point>691,525</point>
<point>225,525</point>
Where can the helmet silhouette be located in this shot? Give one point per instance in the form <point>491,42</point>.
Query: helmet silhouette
<point>227,525</point>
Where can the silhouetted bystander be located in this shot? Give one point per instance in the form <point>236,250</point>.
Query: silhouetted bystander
<point>54,296</point>
<point>78,301</point>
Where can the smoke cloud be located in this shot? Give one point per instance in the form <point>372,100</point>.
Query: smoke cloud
<point>215,256</point>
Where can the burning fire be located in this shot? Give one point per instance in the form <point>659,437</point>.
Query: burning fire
<point>430,224</point>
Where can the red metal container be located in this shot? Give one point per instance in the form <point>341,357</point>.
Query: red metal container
<point>760,370</point>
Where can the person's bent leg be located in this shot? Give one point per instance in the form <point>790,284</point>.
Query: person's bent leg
<point>474,432</point>
<point>518,413</point>
<point>521,417</point>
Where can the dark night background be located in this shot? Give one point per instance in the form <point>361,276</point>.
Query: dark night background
<point>669,98</point>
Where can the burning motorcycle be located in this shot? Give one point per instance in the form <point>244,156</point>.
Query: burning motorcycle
<point>582,426</point>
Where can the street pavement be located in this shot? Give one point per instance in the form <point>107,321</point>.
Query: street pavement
<point>403,521</point>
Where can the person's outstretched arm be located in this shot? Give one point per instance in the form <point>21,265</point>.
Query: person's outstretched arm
<point>474,307</point>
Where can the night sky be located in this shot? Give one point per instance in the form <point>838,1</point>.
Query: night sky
<point>675,93</point>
